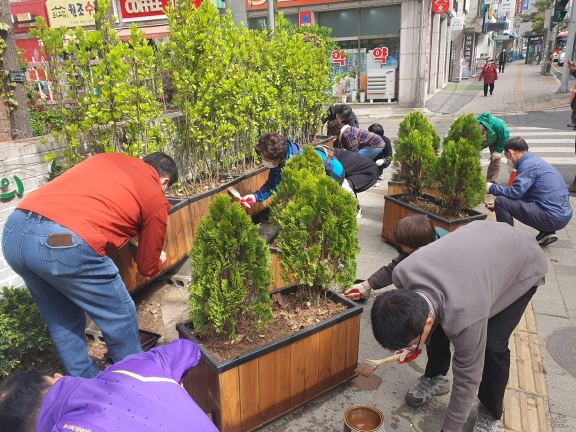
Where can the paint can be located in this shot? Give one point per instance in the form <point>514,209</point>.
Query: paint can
<point>363,418</point>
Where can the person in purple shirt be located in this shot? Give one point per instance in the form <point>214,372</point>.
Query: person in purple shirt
<point>538,197</point>
<point>140,393</point>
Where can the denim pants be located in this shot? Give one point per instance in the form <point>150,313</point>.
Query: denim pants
<point>65,282</point>
<point>496,358</point>
<point>370,153</point>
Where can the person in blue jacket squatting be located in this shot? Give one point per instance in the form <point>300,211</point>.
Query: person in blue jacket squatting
<point>354,172</point>
<point>411,233</point>
<point>140,393</point>
<point>538,197</point>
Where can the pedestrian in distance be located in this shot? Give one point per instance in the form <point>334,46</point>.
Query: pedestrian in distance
<point>490,75</point>
<point>343,113</point>
<point>357,140</point>
<point>57,239</point>
<point>140,393</point>
<point>354,172</point>
<point>387,152</point>
<point>502,58</point>
<point>473,301</point>
<point>537,198</point>
<point>572,124</point>
<point>495,133</point>
<point>411,233</point>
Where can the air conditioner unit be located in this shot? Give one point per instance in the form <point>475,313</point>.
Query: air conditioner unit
<point>381,84</point>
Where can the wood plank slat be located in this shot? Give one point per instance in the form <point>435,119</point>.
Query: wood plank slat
<point>311,371</point>
<point>338,360</point>
<point>267,390</point>
<point>297,372</point>
<point>352,345</point>
<point>230,418</point>
<point>282,390</point>
<point>248,374</point>
<point>325,359</point>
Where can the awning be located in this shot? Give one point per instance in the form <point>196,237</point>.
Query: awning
<point>150,32</point>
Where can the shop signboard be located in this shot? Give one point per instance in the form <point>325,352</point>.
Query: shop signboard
<point>457,23</point>
<point>263,4</point>
<point>506,6</point>
<point>519,5</point>
<point>70,13</point>
<point>305,18</point>
<point>339,56</point>
<point>467,57</point>
<point>24,14</point>
<point>440,6</point>
<point>380,54</point>
<point>491,1</point>
<point>141,10</point>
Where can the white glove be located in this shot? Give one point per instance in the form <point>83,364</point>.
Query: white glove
<point>163,257</point>
<point>496,155</point>
<point>247,200</point>
<point>488,187</point>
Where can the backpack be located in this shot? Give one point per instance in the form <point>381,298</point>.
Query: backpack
<point>332,165</point>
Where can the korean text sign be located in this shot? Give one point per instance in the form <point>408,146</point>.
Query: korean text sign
<point>70,13</point>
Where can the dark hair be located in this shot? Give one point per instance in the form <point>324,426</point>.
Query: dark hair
<point>415,231</point>
<point>345,111</point>
<point>483,127</point>
<point>21,396</point>
<point>398,317</point>
<point>334,127</point>
<point>516,144</point>
<point>377,129</point>
<point>165,166</point>
<point>272,146</point>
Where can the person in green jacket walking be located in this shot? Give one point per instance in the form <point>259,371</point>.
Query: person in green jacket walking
<point>495,134</point>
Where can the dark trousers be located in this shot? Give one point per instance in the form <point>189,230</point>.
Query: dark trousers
<point>496,358</point>
<point>501,67</point>
<point>486,88</point>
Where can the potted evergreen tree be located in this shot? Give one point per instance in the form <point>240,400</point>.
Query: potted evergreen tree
<point>253,388</point>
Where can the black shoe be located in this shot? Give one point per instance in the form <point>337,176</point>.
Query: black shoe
<point>545,238</point>
<point>571,125</point>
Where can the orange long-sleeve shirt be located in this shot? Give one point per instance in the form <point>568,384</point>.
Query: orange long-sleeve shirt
<point>107,199</point>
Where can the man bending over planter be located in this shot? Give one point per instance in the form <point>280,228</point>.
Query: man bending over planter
<point>495,134</point>
<point>447,295</point>
<point>57,239</point>
<point>411,233</point>
<point>538,197</point>
<point>354,172</point>
<point>354,139</point>
<point>139,393</point>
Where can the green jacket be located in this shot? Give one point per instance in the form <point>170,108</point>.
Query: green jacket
<point>497,131</point>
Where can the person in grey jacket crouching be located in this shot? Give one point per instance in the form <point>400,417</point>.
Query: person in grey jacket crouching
<point>474,301</point>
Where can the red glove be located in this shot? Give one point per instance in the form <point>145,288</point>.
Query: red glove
<point>247,200</point>
<point>406,355</point>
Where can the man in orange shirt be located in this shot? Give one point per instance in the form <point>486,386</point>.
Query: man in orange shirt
<point>57,239</point>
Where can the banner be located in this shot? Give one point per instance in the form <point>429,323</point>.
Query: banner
<point>70,13</point>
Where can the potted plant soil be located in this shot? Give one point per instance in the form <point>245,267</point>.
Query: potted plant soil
<point>457,174</point>
<point>252,388</point>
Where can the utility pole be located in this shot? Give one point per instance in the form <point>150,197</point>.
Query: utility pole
<point>271,12</point>
<point>569,49</point>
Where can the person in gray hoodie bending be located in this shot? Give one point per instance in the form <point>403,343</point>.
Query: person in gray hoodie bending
<point>474,301</point>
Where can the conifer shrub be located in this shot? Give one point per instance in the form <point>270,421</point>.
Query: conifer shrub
<point>418,121</point>
<point>458,173</point>
<point>230,271</point>
<point>414,161</point>
<point>317,219</point>
<point>25,342</point>
<point>465,126</point>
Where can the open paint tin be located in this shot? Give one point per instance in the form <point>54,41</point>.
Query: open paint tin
<point>363,418</point>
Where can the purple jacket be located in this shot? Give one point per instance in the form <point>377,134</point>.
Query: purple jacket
<point>144,397</point>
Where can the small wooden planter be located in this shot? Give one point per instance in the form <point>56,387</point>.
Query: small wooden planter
<point>394,210</point>
<point>254,388</point>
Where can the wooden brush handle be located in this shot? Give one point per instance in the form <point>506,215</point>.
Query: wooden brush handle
<point>390,359</point>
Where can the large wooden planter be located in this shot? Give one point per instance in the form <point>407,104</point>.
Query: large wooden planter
<point>246,392</point>
<point>395,188</point>
<point>394,210</point>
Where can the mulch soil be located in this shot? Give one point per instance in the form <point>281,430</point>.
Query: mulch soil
<point>432,208</point>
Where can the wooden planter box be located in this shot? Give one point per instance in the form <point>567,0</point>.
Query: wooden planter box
<point>182,220</point>
<point>248,391</point>
<point>394,210</point>
<point>395,188</point>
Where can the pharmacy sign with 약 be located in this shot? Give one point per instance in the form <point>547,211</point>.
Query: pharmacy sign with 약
<point>380,54</point>
<point>339,57</point>
<point>70,13</point>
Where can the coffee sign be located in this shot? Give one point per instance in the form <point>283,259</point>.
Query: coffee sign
<point>140,10</point>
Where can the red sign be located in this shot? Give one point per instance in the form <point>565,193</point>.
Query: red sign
<point>305,18</point>
<point>380,54</point>
<point>141,10</point>
<point>262,4</point>
<point>519,7</point>
<point>24,14</point>
<point>440,6</point>
<point>339,57</point>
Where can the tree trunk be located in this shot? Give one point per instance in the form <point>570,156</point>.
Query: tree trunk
<point>20,117</point>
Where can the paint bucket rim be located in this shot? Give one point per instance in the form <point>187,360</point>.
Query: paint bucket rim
<point>380,426</point>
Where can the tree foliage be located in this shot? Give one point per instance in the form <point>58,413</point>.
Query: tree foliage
<point>465,126</point>
<point>318,224</point>
<point>418,121</point>
<point>230,271</point>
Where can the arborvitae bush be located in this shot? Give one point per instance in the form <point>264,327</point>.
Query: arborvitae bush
<point>465,126</point>
<point>25,342</point>
<point>459,176</point>
<point>418,121</point>
<point>318,224</point>
<point>414,161</point>
<point>230,271</point>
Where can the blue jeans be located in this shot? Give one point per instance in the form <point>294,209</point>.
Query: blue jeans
<point>65,282</point>
<point>370,153</point>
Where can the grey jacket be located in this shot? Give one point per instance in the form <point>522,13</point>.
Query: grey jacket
<point>470,276</point>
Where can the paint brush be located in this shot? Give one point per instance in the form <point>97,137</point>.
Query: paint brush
<point>369,366</point>
<point>234,192</point>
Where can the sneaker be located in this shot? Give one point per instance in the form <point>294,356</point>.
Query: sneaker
<point>485,422</point>
<point>380,162</point>
<point>571,125</point>
<point>359,214</point>
<point>426,389</point>
<point>381,177</point>
<point>377,184</point>
<point>545,238</point>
